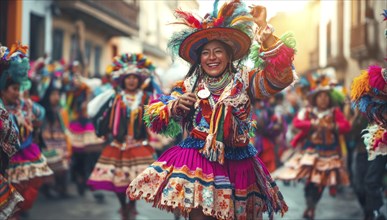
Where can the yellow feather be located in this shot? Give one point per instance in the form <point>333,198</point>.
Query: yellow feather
<point>360,85</point>
<point>241,18</point>
<point>220,12</point>
<point>155,108</point>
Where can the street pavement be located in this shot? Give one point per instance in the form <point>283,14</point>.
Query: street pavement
<point>343,207</point>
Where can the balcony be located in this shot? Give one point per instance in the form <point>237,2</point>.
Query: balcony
<point>115,18</point>
<point>364,41</point>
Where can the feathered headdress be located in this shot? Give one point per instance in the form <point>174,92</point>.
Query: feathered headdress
<point>128,64</point>
<point>323,83</point>
<point>14,65</point>
<point>369,93</point>
<point>231,24</point>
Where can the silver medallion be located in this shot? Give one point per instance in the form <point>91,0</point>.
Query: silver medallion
<point>204,93</point>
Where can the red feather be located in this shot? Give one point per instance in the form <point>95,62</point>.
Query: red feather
<point>188,18</point>
<point>218,22</point>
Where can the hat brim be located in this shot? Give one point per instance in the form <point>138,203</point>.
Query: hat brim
<point>236,39</point>
<point>311,95</point>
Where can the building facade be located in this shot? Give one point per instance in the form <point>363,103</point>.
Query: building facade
<point>339,38</point>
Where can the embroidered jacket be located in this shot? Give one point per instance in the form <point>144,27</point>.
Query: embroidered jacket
<point>119,116</point>
<point>326,137</point>
<point>27,114</point>
<point>221,126</point>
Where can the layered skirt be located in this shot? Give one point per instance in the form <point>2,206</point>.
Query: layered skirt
<point>182,179</point>
<point>118,166</point>
<point>321,167</point>
<point>83,138</point>
<point>57,155</point>
<point>27,171</point>
<point>9,198</point>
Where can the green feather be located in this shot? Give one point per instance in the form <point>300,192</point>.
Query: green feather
<point>338,97</point>
<point>254,56</point>
<point>215,11</point>
<point>173,129</point>
<point>289,40</point>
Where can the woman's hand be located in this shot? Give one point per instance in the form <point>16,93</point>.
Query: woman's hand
<point>186,102</point>
<point>259,14</point>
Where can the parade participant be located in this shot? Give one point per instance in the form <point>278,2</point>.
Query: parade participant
<point>9,145</point>
<point>86,146</point>
<point>57,146</point>
<point>118,115</point>
<point>28,166</point>
<point>214,173</point>
<point>319,161</point>
<point>369,96</point>
<point>267,129</point>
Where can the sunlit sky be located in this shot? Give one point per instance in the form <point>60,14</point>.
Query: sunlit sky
<point>273,6</point>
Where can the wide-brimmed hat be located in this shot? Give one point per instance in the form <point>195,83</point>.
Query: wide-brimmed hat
<point>231,24</point>
<point>238,41</point>
<point>324,83</point>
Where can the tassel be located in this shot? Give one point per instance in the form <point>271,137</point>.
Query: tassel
<point>279,63</point>
<point>116,119</point>
<point>213,150</point>
<point>360,86</point>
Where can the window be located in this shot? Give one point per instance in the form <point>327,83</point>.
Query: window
<point>57,44</point>
<point>37,34</point>
<point>74,49</point>
<point>97,59</point>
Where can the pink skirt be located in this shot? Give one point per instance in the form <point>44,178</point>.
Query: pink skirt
<point>183,179</point>
<point>84,139</point>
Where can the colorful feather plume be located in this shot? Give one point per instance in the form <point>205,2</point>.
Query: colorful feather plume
<point>16,65</point>
<point>188,19</point>
<point>360,86</point>
<point>233,14</point>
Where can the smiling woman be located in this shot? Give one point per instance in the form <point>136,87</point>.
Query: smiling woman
<point>214,173</point>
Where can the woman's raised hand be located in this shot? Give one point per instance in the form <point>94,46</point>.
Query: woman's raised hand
<point>259,14</point>
<point>186,101</point>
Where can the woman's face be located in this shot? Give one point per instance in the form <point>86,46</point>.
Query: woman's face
<point>54,98</point>
<point>323,100</point>
<point>131,83</point>
<point>11,94</point>
<point>214,58</point>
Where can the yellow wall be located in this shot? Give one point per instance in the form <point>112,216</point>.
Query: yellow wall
<point>304,26</point>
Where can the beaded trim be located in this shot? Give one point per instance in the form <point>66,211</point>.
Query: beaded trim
<point>231,153</point>
<point>216,85</point>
